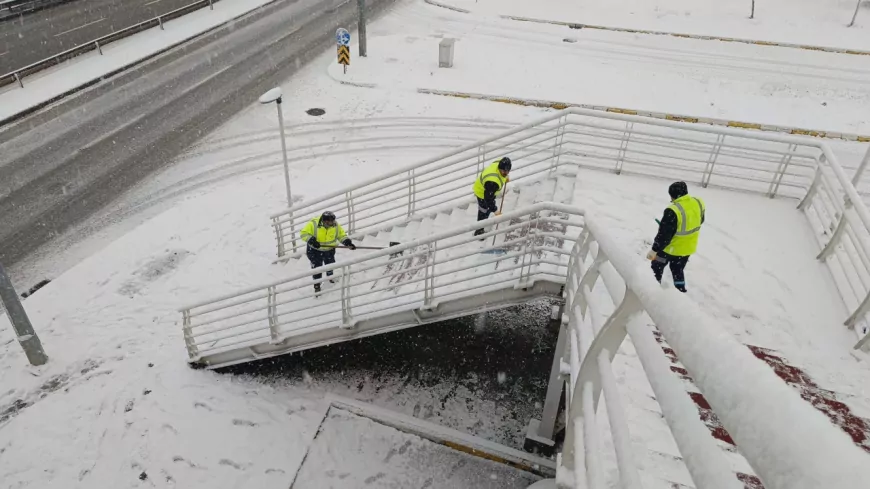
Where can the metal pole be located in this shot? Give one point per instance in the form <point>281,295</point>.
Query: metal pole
<point>860,171</point>
<point>284,153</point>
<point>752,14</point>
<point>20,323</point>
<point>855,15</point>
<point>361,29</point>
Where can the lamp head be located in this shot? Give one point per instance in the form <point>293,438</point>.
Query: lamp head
<point>271,96</point>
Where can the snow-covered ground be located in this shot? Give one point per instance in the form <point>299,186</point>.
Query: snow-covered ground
<point>117,400</point>
<point>821,23</point>
<point>53,82</point>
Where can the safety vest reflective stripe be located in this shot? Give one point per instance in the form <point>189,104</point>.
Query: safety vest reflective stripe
<point>682,231</point>
<point>489,174</point>
<point>327,237</point>
<point>484,176</point>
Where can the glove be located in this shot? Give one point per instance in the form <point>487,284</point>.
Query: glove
<point>507,179</point>
<point>493,208</point>
<point>651,255</point>
<point>313,242</point>
<point>349,244</point>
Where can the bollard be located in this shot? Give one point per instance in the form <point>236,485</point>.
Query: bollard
<point>445,53</point>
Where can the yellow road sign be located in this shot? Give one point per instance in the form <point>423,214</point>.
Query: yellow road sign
<point>344,55</point>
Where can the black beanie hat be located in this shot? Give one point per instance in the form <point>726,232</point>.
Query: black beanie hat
<point>677,190</point>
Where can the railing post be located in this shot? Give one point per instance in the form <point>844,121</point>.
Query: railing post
<point>272,311</point>
<point>856,178</point>
<point>429,280</point>
<point>292,230</point>
<point>814,187</point>
<point>529,248</point>
<point>351,218</point>
<point>346,312</point>
<point>557,148</point>
<point>541,432</point>
<point>711,160</point>
<point>160,21</point>
<point>623,146</point>
<point>192,351</point>
<point>18,79</point>
<point>211,4</point>
<point>838,233</point>
<point>481,159</point>
<point>780,171</point>
<point>412,192</point>
<point>100,49</point>
<point>279,235</point>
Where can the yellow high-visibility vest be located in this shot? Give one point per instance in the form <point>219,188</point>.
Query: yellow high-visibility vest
<point>328,238</point>
<point>489,174</point>
<point>690,211</point>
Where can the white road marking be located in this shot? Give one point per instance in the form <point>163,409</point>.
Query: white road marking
<point>4,53</point>
<point>80,27</point>
<point>152,1</point>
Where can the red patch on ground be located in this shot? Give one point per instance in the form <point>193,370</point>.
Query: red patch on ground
<point>824,400</point>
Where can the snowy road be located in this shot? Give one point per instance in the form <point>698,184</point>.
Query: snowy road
<point>59,166</point>
<point>47,32</point>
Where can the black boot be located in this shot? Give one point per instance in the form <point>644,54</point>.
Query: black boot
<point>316,288</point>
<point>479,232</point>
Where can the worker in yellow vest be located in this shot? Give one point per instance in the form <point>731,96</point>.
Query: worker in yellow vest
<point>489,183</point>
<point>677,238</point>
<point>323,234</point>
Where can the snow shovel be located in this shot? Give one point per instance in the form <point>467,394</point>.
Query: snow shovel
<point>392,243</point>
<point>498,251</point>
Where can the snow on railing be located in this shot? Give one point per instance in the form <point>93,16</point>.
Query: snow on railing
<point>787,442</point>
<point>841,223</point>
<point>412,276</point>
<point>770,164</point>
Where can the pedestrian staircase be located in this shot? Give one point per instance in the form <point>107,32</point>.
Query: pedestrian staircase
<point>541,246</point>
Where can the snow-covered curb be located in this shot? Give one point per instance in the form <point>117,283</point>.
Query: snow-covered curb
<point>579,25</point>
<point>335,72</point>
<point>55,83</point>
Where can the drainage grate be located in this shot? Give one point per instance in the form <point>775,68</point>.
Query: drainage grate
<point>315,111</point>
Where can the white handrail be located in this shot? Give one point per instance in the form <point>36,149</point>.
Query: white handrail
<point>766,418</point>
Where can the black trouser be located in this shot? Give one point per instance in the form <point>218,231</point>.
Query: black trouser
<point>483,213</point>
<point>677,264</point>
<point>318,258</point>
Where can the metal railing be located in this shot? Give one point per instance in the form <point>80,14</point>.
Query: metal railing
<point>412,276</point>
<point>608,297</point>
<point>770,164</point>
<point>12,8</point>
<point>18,75</point>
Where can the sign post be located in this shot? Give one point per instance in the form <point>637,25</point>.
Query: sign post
<point>342,39</point>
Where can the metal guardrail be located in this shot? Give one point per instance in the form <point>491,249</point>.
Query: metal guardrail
<point>18,75</point>
<point>442,266</point>
<point>730,158</point>
<point>13,8</point>
<point>607,298</point>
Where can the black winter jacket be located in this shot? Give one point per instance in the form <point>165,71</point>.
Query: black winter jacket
<point>489,190</point>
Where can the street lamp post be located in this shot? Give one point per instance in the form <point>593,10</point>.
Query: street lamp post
<point>274,95</point>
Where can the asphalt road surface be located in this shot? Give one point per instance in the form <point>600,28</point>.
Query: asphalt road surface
<point>64,163</point>
<point>35,36</point>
